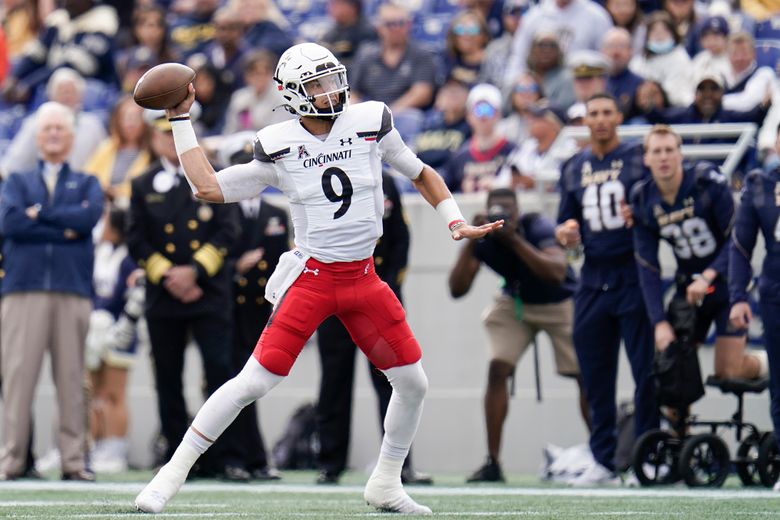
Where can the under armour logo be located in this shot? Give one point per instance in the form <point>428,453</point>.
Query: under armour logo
<point>346,141</point>
<point>365,271</point>
<point>315,271</point>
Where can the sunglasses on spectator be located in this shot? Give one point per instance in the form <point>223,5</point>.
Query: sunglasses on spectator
<point>515,11</point>
<point>395,24</point>
<point>484,110</point>
<point>708,87</point>
<point>546,44</point>
<point>466,30</point>
<point>533,88</point>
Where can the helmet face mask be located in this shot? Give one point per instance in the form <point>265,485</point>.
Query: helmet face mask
<point>309,73</point>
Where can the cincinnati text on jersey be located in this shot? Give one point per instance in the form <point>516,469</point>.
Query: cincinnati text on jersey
<point>600,176</point>
<point>324,158</point>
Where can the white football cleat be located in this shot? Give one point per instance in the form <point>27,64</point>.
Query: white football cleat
<point>776,488</point>
<point>391,498</point>
<point>596,475</point>
<point>157,493</point>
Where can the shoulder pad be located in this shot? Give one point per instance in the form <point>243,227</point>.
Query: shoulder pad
<point>259,153</point>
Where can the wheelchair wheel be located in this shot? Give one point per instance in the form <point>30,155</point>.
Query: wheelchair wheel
<point>747,461</point>
<point>704,461</point>
<point>654,458</point>
<point>768,460</point>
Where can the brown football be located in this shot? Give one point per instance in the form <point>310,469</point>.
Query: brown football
<point>163,86</point>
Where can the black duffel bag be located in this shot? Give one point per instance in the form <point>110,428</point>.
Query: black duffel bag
<point>676,370</point>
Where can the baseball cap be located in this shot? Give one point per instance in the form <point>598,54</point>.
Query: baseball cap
<point>544,110</point>
<point>710,75</point>
<point>587,64</point>
<point>486,93</point>
<point>715,24</point>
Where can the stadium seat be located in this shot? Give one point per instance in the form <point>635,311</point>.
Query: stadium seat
<point>768,54</point>
<point>768,29</point>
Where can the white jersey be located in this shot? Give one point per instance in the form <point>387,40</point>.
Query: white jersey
<point>334,186</point>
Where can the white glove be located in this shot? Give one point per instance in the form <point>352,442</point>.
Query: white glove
<point>98,337</point>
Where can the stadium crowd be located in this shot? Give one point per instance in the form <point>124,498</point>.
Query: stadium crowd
<point>479,89</point>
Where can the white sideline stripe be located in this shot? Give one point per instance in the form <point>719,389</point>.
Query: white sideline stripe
<point>94,503</point>
<point>135,514</point>
<point>492,514</point>
<point>201,487</point>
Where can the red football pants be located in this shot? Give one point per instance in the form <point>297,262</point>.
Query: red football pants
<point>354,293</point>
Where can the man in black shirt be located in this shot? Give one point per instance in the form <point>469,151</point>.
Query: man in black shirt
<point>537,296</point>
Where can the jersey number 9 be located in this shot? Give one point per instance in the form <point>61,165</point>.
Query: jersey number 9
<point>346,189</point>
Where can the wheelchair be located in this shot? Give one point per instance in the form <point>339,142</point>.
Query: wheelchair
<point>702,459</point>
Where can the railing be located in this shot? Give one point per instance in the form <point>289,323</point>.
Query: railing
<point>744,133</point>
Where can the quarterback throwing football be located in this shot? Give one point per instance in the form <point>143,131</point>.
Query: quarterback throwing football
<point>328,162</point>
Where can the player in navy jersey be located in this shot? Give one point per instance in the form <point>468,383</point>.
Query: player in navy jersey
<point>759,210</point>
<point>594,185</point>
<point>693,210</point>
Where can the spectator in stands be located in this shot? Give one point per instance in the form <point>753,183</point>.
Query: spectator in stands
<point>475,166</point>
<point>499,49</point>
<point>47,216</point>
<point>213,95</point>
<point>546,62</point>
<point>684,17</point>
<point>707,107</point>
<point>124,155</point>
<point>467,39</point>
<point>21,22</point>
<point>256,105</point>
<point>713,35</point>
<point>65,86</point>
<point>3,56</point>
<point>581,24</point>
<point>151,43</point>
<point>747,84</point>
<point>649,96</point>
<point>491,13</point>
<point>226,51</point>
<point>445,128</point>
<point>191,25</point>
<point>181,243</point>
<point>350,30</point>
<point>264,237</point>
<point>621,82</point>
<point>626,14</point>
<point>118,301</point>
<point>665,60</point>
<point>395,71</point>
<point>526,92</point>
<point>266,28</point>
<point>536,159</point>
<point>589,70</point>
<point>536,296</point>
<point>79,36</point>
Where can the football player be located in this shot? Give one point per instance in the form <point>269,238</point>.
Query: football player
<point>759,210</point>
<point>594,185</point>
<point>693,210</point>
<point>328,162</point>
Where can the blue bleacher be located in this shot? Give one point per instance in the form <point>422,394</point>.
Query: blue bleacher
<point>768,29</point>
<point>768,54</point>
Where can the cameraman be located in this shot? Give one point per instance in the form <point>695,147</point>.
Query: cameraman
<point>537,291</point>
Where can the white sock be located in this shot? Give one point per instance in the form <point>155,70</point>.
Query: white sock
<point>404,411</point>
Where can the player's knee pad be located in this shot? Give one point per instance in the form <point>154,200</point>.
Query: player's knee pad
<point>408,381</point>
<point>253,382</point>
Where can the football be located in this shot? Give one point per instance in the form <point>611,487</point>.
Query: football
<point>163,86</point>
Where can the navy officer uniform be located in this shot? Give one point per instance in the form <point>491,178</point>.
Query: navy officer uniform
<point>337,353</point>
<point>169,227</point>
<point>264,227</point>
<point>606,307</point>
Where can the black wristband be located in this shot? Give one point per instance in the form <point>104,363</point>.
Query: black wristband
<point>184,117</point>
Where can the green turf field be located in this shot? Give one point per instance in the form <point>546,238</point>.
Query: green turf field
<point>295,497</point>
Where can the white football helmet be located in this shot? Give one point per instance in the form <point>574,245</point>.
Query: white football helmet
<point>308,71</point>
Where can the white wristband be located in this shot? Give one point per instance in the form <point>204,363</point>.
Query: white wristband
<point>451,214</point>
<point>184,136</point>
